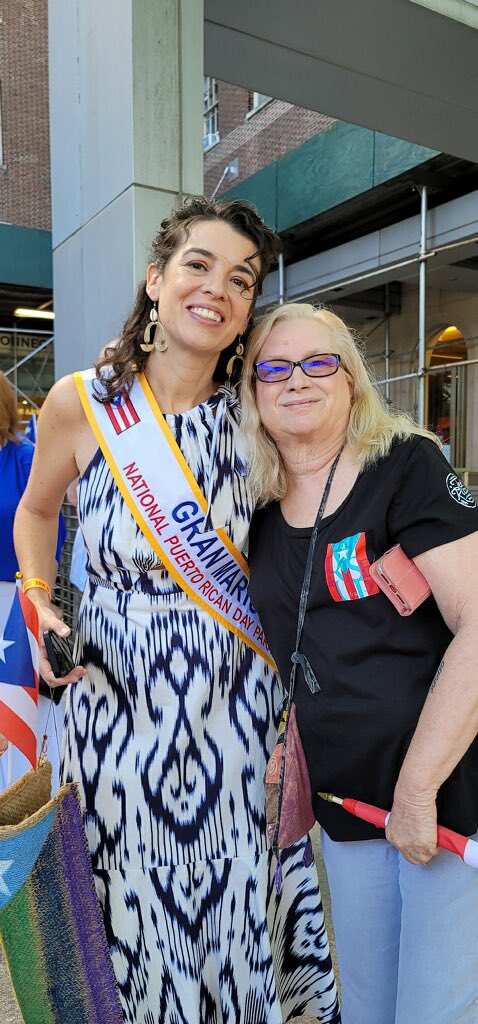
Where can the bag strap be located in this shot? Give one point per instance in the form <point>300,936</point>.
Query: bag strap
<point>297,658</point>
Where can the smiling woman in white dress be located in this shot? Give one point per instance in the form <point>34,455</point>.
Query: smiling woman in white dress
<point>172,714</point>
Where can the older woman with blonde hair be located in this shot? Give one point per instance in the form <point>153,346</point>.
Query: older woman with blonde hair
<point>387,705</point>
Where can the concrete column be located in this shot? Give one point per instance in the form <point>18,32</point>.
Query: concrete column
<point>126,87</point>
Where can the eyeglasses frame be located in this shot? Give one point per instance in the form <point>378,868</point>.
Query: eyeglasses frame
<point>293,363</point>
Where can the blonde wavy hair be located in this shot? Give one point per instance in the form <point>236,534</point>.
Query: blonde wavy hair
<point>372,427</point>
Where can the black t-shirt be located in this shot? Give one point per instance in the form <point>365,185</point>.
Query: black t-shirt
<point>374,667</point>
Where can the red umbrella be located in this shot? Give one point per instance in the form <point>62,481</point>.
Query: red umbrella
<point>446,839</point>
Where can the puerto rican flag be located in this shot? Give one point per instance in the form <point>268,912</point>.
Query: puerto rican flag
<point>30,431</point>
<point>19,670</point>
<point>347,569</point>
<point>122,413</point>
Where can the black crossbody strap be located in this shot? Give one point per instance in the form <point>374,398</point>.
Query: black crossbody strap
<point>298,658</point>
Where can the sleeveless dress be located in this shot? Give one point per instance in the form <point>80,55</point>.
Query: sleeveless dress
<point>168,737</point>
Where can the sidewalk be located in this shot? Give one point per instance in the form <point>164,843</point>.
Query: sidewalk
<point>9,1010</point>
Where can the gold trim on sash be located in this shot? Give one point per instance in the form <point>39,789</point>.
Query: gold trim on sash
<point>93,414</point>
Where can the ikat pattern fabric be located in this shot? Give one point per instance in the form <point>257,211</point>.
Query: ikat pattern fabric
<point>168,738</point>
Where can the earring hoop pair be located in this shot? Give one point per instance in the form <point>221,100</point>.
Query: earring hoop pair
<point>159,343</point>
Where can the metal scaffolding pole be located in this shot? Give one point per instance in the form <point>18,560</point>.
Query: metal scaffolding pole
<point>281,279</point>
<point>422,272</point>
<point>387,342</point>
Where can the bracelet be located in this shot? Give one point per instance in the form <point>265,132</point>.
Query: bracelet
<point>34,581</point>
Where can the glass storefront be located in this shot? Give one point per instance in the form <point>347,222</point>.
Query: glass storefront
<point>27,358</point>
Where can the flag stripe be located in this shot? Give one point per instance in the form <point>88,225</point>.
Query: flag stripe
<point>122,412</point>
<point>109,410</point>
<point>23,700</point>
<point>131,409</point>
<point>29,612</point>
<point>17,731</point>
<point>30,616</point>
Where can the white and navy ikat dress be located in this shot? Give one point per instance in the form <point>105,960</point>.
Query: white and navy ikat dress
<point>168,737</point>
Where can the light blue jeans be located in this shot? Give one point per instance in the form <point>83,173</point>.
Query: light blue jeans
<point>406,935</point>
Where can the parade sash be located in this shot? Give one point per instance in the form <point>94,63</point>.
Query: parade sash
<point>206,565</point>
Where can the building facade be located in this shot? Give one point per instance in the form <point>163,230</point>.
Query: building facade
<point>382,231</point>
<point>25,203</point>
<point>346,200</point>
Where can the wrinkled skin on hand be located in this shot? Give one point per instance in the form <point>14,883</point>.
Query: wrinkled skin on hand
<point>412,826</point>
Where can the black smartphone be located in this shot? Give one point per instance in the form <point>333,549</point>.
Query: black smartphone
<point>59,654</point>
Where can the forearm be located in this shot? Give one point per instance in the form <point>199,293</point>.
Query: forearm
<point>35,537</point>
<point>449,720</point>
<point>35,545</point>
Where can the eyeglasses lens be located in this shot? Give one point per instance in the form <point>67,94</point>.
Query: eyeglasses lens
<point>273,371</point>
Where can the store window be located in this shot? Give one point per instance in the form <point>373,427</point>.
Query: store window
<point>446,391</point>
<point>211,113</point>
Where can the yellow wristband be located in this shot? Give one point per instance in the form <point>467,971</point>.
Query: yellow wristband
<point>35,582</point>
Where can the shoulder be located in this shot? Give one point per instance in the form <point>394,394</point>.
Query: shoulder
<point>411,455</point>
<point>25,451</point>
<point>402,451</point>
<point>62,404</point>
<point>20,451</point>
<point>423,461</point>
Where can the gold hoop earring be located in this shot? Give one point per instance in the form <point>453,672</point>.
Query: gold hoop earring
<point>238,355</point>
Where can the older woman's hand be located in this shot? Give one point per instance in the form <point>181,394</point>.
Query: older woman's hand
<point>412,826</point>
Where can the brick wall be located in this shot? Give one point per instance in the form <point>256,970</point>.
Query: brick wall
<point>25,176</point>
<point>259,139</point>
<point>233,106</point>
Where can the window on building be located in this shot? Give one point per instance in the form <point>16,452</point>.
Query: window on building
<point>211,113</point>
<point>257,100</point>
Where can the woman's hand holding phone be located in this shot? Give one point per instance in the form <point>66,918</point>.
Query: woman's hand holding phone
<point>50,621</point>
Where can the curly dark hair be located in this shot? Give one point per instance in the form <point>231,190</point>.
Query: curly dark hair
<point>125,357</point>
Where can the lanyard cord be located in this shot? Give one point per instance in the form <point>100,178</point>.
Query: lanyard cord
<point>297,657</point>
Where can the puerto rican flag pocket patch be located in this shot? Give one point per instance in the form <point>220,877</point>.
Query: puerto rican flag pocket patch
<point>347,569</point>
<point>122,413</point>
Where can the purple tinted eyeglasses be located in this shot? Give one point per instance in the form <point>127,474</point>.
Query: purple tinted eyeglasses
<point>272,371</point>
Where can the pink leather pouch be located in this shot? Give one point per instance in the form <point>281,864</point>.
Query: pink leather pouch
<point>401,581</point>
<point>289,813</point>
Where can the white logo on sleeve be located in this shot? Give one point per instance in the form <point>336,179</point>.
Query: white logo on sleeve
<point>459,492</point>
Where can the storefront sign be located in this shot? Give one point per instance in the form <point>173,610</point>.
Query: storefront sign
<point>19,342</point>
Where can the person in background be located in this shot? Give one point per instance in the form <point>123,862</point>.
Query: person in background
<point>387,707</point>
<point>173,709</point>
<point>16,456</point>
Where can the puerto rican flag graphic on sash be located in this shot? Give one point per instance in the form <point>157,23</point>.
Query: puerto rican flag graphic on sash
<point>19,675</point>
<point>347,569</point>
<point>122,412</point>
